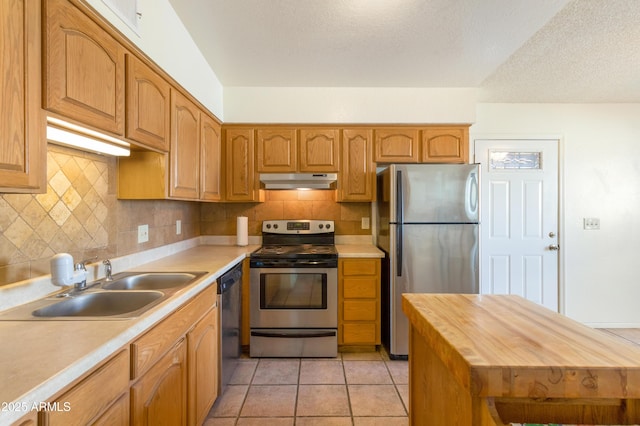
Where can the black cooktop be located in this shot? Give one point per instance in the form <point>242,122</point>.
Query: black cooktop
<point>302,251</point>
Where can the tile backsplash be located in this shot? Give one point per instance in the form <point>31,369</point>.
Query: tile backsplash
<point>220,219</point>
<point>80,214</point>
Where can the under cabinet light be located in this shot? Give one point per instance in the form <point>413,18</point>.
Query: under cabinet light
<point>68,134</point>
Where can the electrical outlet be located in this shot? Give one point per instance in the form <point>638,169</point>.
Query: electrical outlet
<point>591,223</point>
<point>143,233</point>
<point>178,227</point>
<point>365,223</point>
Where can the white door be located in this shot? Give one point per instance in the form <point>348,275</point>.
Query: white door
<point>519,218</point>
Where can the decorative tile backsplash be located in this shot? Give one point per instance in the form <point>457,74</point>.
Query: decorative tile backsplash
<point>80,214</point>
<point>220,219</point>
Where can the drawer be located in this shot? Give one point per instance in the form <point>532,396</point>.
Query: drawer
<point>150,347</point>
<point>359,310</point>
<point>359,333</point>
<point>360,267</point>
<point>94,394</point>
<point>360,288</point>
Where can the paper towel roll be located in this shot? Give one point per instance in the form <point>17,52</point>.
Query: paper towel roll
<point>242,231</point>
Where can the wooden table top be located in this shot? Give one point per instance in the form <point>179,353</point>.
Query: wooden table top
<point>507,346</point>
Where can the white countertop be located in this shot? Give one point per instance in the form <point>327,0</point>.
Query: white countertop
<point>40,358</point>
<point>358,250</point>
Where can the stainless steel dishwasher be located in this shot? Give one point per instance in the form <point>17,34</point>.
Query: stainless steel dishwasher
<point>230,302</point>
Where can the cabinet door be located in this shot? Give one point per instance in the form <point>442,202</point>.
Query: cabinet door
<point>160,396</point>
<point>277,150</point>
<point>84,67</point>
<point>396,145</point>
<point>148,105</point>
<point>357,179</point>
<point>210,152</point>
<point>319,150</point>
<point>444,145</point>
<point>203,366</point>
<point>116,415</point>
<point>239,164</point>
<point>22,138</point>
<point>30,419</point>
<point>185,148</point>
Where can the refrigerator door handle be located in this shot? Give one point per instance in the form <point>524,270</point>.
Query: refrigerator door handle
<point>399,221</point>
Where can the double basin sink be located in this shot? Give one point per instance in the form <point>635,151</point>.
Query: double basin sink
<point>127,295</point>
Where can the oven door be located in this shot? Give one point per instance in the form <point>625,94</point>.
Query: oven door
<point>294,298</point>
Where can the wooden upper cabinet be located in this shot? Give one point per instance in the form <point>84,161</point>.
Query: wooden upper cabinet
<point>357,179</point>
<point>319,150</point>
<point>396,145</point>
<point>240,173</point>
<point>148,105</point>
<point>210,158</point>
<point>22,135</point>
<point>444,145</point>
<point>84,69</point>
<point>185,148</point>
<point>276,150</point>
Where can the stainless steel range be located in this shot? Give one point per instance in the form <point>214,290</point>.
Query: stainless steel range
<point>294,290</point>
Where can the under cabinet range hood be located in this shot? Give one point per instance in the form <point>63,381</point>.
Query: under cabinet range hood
<point>299,180</point>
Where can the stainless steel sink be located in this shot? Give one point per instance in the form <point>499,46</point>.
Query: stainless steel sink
<point>151,281</point>
<point>101,304</point>
<point>129,295</point>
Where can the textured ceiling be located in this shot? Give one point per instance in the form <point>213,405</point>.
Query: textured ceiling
<point>513,50</point>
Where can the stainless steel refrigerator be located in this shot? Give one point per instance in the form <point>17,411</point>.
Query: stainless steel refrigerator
<point>427,225</point>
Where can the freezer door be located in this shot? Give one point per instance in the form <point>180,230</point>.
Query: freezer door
<point>434,193</point>
<point>429,259</point>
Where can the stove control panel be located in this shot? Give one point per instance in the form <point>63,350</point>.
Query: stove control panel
<point>298,226</point>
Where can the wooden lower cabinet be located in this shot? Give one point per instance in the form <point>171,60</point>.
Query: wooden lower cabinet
<point>359,301</point>
<point>116,415</point>
<point>174,365</point>
<point>30,419</point>
<point>160,396</point>
<point>100,398</point>
<point>202,346</point>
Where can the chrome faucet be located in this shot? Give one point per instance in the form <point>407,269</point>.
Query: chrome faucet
<point>107,269</point>
<point>82,266</point>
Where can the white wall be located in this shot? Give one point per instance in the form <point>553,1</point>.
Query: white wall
<point>349,105</point>
<point>166,41</point>
<point>600,169</point>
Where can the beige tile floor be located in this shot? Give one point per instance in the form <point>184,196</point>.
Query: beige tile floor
<point>355,389</point>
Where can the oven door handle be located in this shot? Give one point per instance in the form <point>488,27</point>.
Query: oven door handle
<point>296,335</point>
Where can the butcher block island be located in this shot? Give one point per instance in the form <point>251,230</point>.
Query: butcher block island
<point>498,359</point>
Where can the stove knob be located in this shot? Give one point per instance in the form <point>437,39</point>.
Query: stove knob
<point>268,226</point>
<point>275,226</point>
<point>321,226</point>
<point>328,225</point>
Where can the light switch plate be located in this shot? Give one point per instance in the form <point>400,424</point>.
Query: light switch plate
<point>178,227</point>
<point>143,233</point>
<point>591,223</point>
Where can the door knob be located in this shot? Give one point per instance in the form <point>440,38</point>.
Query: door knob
<point>554,247</point>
